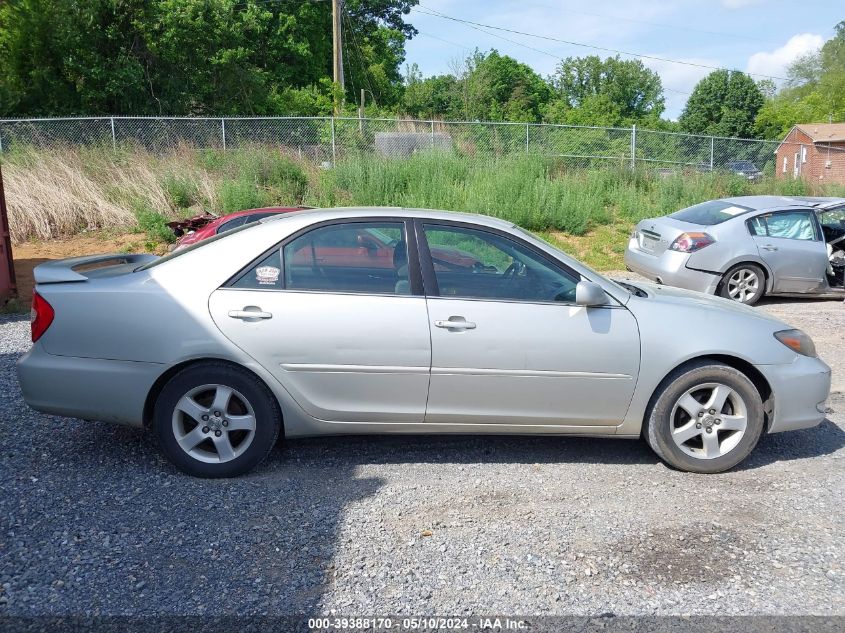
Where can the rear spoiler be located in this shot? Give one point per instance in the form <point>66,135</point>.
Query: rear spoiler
<point>83,268</point>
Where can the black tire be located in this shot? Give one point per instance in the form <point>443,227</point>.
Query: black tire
<point>733,277</point>
<point>660,421</point>
<point>250,398</point>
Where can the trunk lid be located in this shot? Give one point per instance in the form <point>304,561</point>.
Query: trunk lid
<point>77,269</point>
<point>655,235</point>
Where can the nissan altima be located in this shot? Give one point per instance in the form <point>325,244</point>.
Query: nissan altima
<point>474,326</point>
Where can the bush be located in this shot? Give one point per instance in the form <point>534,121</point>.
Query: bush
<point>181,192</point>
<point>154,224</point>
<point>237,195</point>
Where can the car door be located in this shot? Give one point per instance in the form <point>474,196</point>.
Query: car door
<point>509,346</point>
<point>350,341</point>
<point>791,245</point>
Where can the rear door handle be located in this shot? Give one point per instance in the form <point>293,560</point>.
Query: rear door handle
<point>769,247</point>
<point>250,312</point>
<point>455,323</point>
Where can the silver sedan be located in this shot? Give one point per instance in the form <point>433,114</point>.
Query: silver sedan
<point>373,320</point>
<point>747,247</point>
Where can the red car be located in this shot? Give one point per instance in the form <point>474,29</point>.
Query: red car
<point>202,227</point>
<point>344,248</point>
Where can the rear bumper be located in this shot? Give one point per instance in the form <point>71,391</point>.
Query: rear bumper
<point>88,388</point>
<point>800,390</point>
<point>669,268</point>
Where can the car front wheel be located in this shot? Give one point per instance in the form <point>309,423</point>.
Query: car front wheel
<point>706,419</point>
<point>214,420</point>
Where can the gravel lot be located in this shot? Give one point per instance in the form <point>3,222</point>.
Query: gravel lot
<point>94,521</point>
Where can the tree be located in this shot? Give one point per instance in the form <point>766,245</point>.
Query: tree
<point>494,87</point>
<point>612,91</point>
<point>724,103</point>
<point>191,56</point>
<point>814,92</point>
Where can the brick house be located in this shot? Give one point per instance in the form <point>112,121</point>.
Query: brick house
<point>815,151</point>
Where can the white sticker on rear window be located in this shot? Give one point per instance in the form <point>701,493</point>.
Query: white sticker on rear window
<point>733,210</point>
<point>267,275</point>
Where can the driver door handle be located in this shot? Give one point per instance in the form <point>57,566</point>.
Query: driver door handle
<point>455,323</point>
<point>249,314</point>
<point>769,247</point>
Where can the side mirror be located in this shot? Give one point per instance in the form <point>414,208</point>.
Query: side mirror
<point>588,294</point>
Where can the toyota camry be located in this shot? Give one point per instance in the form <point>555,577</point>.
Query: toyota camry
<point>473,326</point>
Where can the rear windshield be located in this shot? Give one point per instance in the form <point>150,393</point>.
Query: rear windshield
<point>710,212</point>
<point>194,246</point>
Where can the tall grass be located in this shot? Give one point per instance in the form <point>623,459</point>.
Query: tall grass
<point>62,191</point>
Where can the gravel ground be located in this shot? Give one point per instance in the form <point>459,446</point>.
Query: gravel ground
<point>94,521</point>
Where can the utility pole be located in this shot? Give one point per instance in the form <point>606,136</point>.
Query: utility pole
<point>361,113</point>
<point>337,52</point>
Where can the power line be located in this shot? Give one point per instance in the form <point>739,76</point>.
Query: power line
<point>537,50</point>
<point>437,14</point>
<point>674,27</point>
<point>364,67</point>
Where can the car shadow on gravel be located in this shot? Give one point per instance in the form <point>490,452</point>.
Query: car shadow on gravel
<point>95,521</point>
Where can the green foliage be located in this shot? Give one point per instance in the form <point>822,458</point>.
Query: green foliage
<point>724,103</point>
<point>190,57</point>
<point>610,92</point>
<point>815,92</point>
<point>182,192</point>
<point>238,195</point>
<point>154,224</point>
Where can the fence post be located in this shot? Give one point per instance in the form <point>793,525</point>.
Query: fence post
<point>633,146</point>
<point>432,134</point>
<point>712,139</point>
<point>223,128</point>
<point>1,143</point>
<point>113,137</point>
<point>334,147</point>
<point>526,138</point>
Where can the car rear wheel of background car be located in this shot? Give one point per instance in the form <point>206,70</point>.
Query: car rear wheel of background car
<point>215,420</point>
<point>745,283</point>
<point>707,417</point>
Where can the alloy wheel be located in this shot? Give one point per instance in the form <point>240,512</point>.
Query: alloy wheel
<point>214,423</point>
<point>743,285</point>
<point>709,420</point>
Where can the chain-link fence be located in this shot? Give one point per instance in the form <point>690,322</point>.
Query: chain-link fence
<point>324,140</point>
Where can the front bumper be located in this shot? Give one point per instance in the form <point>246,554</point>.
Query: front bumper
<point>800,390</point>
<point>669,268</point>
<point>87,388</point>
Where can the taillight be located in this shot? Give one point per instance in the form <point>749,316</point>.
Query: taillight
<point>41,316</point>
<point>691,242</point>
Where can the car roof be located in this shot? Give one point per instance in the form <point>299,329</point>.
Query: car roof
<point>337,213</point>
<point>766,203</point>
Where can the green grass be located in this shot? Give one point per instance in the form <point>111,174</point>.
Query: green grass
<point>587,211</point>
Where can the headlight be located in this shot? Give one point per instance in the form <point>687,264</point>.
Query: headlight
<point>797,341</point>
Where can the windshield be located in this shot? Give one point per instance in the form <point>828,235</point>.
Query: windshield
<point>710,212</point>
<point>196,245</point>
<point>743,164</point>
<point>537,238</point>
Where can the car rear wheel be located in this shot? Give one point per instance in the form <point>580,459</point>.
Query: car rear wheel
<point>214,420</point>
<point>706,419</point>
<point>745,283</point>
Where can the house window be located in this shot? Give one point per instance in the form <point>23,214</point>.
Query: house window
<point>785,163</point>
<point>796,166</point>
<point>803,154</point>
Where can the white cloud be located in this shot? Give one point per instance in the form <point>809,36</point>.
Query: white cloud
<point>739,4</point>
<point>776,62</point>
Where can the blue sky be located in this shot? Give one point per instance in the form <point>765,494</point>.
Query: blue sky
<point>758,36</point>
